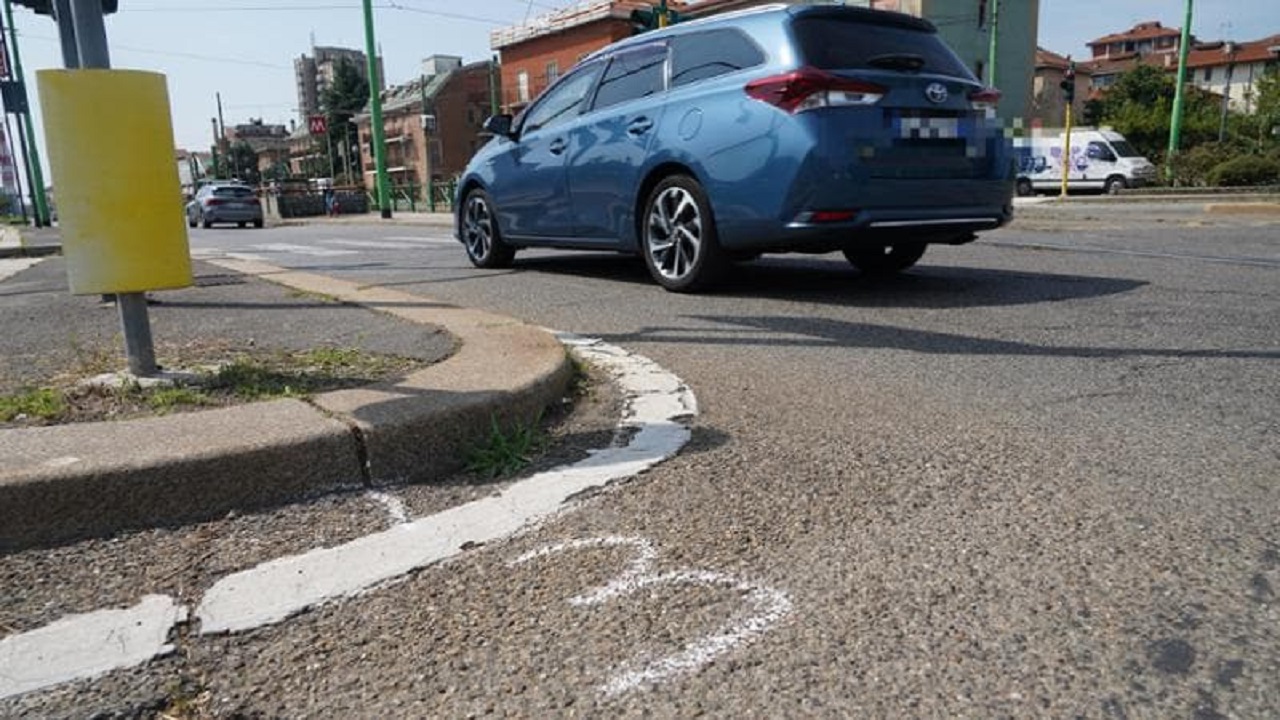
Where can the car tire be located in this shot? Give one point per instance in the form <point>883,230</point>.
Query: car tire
<point>242,225</point>
<point>887,259</point>
<point>1114,185</point>
<point>206,224</point>
<point>678,236</point>
<point>191,222</point>
<point>478,228</point>
<point>257,224</point>
<point>1025,188</point>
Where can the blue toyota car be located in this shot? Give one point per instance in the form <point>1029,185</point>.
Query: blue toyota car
<point>781,129</point>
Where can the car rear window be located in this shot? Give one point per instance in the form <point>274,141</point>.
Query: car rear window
<point>833,44</point>
<point>238,192</point>
<point>707,54</point>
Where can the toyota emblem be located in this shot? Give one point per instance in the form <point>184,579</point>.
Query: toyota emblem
<point>937,93</point>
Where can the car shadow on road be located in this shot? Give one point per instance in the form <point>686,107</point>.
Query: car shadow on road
<point>832,281</point>
<point>791,331</point>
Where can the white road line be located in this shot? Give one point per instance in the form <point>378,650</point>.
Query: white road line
<point>300,250</point>
<point>248,257</point>
<point>82,646</point>
<point>424,239</point>
<point>374,244</point>
<point>12,266</point>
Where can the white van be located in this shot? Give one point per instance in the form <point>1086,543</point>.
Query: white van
<point>1100,160</point>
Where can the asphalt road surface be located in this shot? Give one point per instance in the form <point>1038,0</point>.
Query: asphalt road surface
<point>1036,476</point>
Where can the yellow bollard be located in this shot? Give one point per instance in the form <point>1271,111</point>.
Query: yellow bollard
<point>111,151</point>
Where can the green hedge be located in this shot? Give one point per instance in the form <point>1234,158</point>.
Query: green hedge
<point>1245,170</point>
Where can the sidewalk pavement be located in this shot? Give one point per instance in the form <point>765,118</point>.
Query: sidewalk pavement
<point>65,482</point>
<point>436,219</point>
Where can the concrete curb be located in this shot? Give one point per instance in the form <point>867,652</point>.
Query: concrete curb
<point>438,220</point>
<point>64,483</point>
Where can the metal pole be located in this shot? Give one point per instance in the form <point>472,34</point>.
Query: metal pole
<point>216,172</point>
<point>91,42</point>
<point>995,42</point>
<point>1066,152</point>
<point>30,152</point>
<point>375,121</point>
<point>66,33</point>
<point>1175,125</point>
<point>1226,94</point>
<point>494,68</point>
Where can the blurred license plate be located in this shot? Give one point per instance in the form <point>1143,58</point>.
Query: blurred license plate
<point>927,128</point>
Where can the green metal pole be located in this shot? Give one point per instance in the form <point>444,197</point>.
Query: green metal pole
<point>32,152</point>
<point>375,115</point>
<point>1175,125</point>
<point>494,68</point>
<point>995,41</point>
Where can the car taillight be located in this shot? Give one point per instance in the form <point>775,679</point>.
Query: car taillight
<point>213,201</point>
<point>985,99</point>
<point>809,88</point>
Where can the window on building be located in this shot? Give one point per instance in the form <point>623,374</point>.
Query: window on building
<point>705,55</point>
<point>631,75</point>
<point>553,71</point>
<point>522,86</point>
<point>1208,74</point>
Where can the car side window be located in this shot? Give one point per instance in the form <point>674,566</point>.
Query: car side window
<point>633,74</point>
<point>564,101</point>
<point>699,56</point>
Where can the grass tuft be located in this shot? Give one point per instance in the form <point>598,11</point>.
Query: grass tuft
<point>42,403</point>
<point>506,453</point>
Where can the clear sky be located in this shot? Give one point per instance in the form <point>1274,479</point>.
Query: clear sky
<point>245,48</point>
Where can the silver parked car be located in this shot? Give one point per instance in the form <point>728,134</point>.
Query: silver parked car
<point>224,203</point>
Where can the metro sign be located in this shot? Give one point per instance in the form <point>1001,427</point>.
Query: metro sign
<point>318,125</point>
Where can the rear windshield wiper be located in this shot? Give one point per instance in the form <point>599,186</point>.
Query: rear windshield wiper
<point>897,61</point>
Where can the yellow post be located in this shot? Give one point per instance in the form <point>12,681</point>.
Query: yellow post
<point>110,144</point>
<point>1066,152</point>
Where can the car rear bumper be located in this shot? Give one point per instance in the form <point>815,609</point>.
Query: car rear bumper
<point>228,215</point>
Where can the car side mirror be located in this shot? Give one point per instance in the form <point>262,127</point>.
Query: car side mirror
<point>499,125</point>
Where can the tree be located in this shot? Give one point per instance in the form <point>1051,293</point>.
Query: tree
<point>243,163</point>
<point>1140,106</point>
<point>345,96</point>
<point>1267,107</point>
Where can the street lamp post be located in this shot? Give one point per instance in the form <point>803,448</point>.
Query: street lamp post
<point>375,119</point>
<point>1175,125</point>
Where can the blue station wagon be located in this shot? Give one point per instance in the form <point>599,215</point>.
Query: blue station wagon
<point>779,129</point>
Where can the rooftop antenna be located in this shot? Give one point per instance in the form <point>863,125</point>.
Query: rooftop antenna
<point>313,42</point>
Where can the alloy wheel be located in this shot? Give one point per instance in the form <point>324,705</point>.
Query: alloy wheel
<point>477,227</point>
<point>674,233</point>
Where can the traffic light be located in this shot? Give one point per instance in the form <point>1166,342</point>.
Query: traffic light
<point>45,7</point>
<point>1068,83</point>
<point>653,18</point>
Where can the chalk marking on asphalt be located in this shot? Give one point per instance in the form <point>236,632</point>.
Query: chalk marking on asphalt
<point>658,406</point>
<point>395,508</point>
<point>770,606</point>
<point>87,645</point>
<point>12,266</point>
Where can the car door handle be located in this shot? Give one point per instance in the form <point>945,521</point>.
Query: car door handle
<point>640,126</point>
<point>557,146</point>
